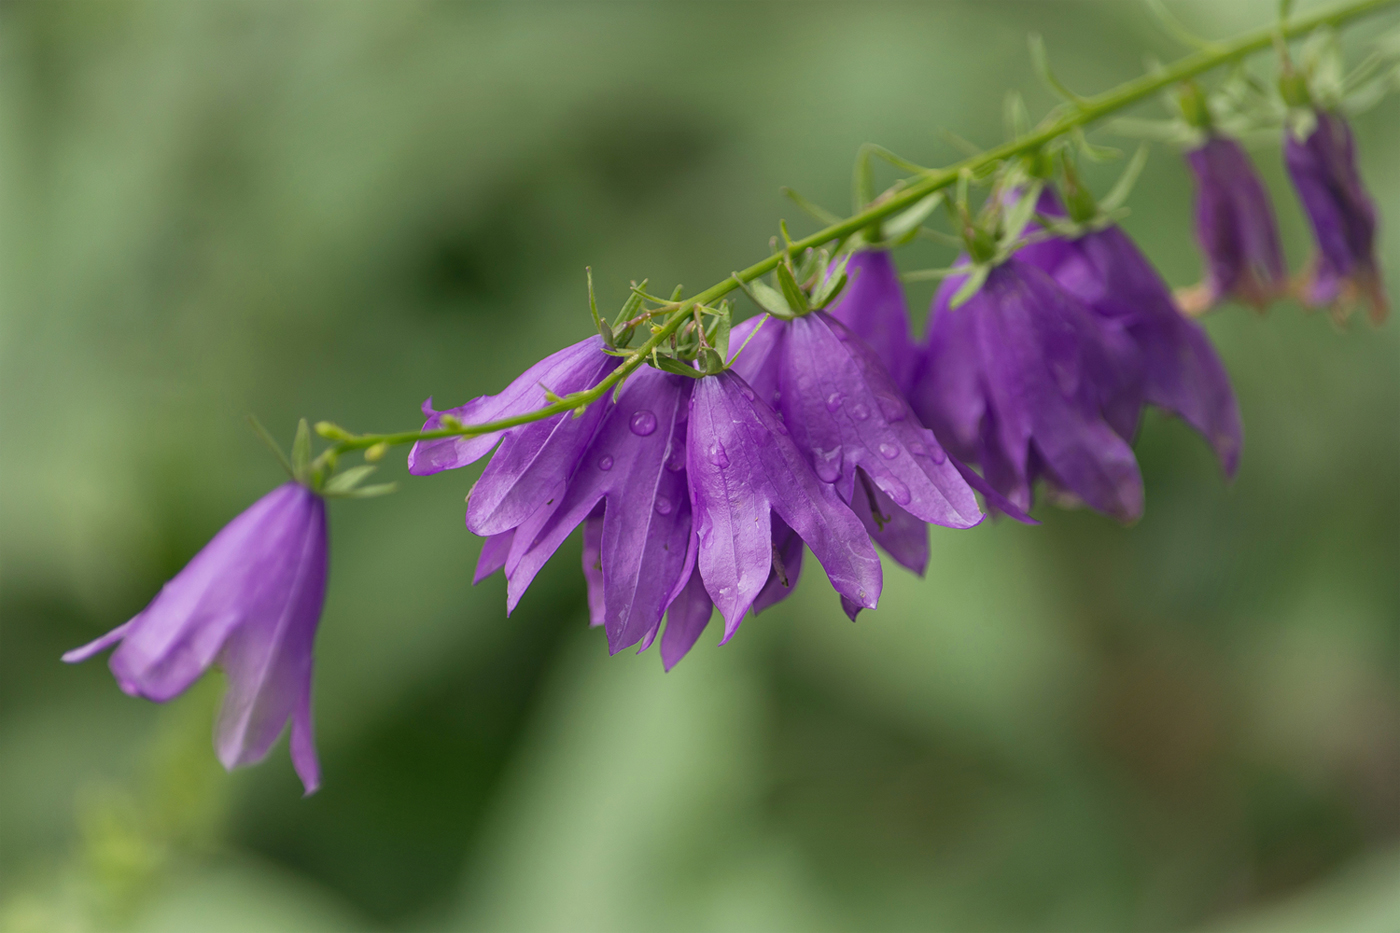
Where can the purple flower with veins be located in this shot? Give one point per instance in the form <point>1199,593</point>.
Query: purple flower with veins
<point>534,460</point>
<point>1343,217</point>
<point>1015,378</point>
<point>873,306</point>
<point>1236,229</point>
<point>634,470</point>
<point>1160,357</point>
<point>249,602</point>
<point>850,418</point>
<point>743,467</point>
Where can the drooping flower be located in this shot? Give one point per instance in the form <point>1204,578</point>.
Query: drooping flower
<point>743,467</point>
<point>1343,217</point>
<point>249,602</point>
<point>634,469</point>
<point>873,307</point>
<point>1236,229</point>
<point>1014,380</point>
<point>850,418</point>
<point>534,460</point>
<point>1158,356</point>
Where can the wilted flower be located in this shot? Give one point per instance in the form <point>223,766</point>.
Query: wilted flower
<point>742,467</point>
<point>1343,216</point>
<point>1014,379</point>
<point>1166,359</point>
<point>1236,229</point>
<point>534,460</point>
<point>873,306</point>
<point>249,602</point>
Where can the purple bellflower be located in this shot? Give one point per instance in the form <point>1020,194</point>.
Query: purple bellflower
<point>743,467</point>
<point>847,414</point>
<point>1343,217</point>
<point>1014,379</point>
<point>1236,229</point>
<point>637,551</point>
<point>534,460</point>
<point>249,602</point>
<point>873,306</point>
<point>1160,357</point>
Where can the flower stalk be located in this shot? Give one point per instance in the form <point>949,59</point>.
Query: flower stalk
<point>1074,113</point>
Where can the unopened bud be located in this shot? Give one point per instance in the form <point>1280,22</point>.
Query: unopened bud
<point>331,432</point>
<point>451,422</point>
<point>377,452</point>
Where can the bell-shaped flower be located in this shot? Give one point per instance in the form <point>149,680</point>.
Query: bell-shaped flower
<point>743,467</point>
<point>1014,379</point>
<point>847,414</point>
<point>1343,217</point>
<point>249,602</point>
<point>635,555</point>
<point>1236,230</point>
<point>873,307</point>
<point>534,460</point>
<point>1158,355</point>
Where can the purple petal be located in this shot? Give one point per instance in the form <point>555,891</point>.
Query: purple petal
<point>303,745</point>
<point>94,647</point>
<point>757,364</point>
<point>873,307</point>
<point>593,567</point>
<point>899,534</point>
<point>630,468</point>
<point>493,555</point>
<point>569,370</point>
<point>786,569</point>
<point>843,407</point>
<point>687,617</point>
<point>742,465</point>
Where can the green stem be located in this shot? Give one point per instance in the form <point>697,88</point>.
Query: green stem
<point>1076,113</point>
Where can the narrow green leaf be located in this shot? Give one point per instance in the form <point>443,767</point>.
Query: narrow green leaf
<point>909,219</point>
<point>271,443</point>
<point>371,492</point>
<point>1118,195</point>
<point>1040,61</point>
<point>816,211</point>
<point>672,365</point>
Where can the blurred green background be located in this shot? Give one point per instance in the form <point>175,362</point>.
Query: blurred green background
<point>335,210</point>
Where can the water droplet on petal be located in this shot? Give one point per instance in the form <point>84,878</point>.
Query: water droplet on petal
<point>779,426</point>
<point>895,489</point>
<point>663,505</point>
<point>834,400</point>
<point>889,451</point>
<point>777,395</point>
<point>605,463</point>
<point>917,449</point>
<point>892,408</point>
<point>827,463</point>
<point>718,456</point>
<point>676,462</point>
<point>746,392</point>
<point>643,423</point>
<point>726,590</point>
<point>860,411</point>
<point>939,456</point>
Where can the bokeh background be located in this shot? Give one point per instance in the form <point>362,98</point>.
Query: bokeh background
<point>335,210</point>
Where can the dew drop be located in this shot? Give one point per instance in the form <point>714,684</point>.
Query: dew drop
<point>643,423</point>
<point>718,456</point>
<point>895,489</point>
<point>827,464</point>
<point>676,462</point>
<point>777,396</point>
<point>859,411</point>
<point>889,451</point>
<point>746,392</point>
<point>726,590</point>
<point>663,505</point>
<point>939,456</point>
<point>892,408</point>
<point>605,463</point>
<point>779,426</point>
<point>917,449</point>
<point>834,400</point>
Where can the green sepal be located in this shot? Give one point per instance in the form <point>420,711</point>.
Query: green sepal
<point>719,330</point>
<point>711,361</point>
<point>766,297</point>
<point>604,330</point>
<point>301,454</point>
<point>1118,194</point>
<point>670,364</point>
<point>371,492</point>
<point>796,298</point>
<point>903,227</point>
<point>831,285</point>
<point>812,209</point>
<point>272,444</point>
<point>631,305</point>
<point>976,277</point>
<point>342,483</point>
<point>1020,214</point>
